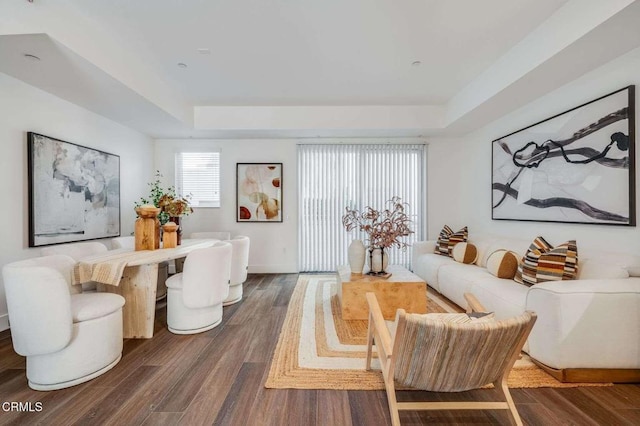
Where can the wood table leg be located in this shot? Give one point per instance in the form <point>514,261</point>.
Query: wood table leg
<point>138,286</point>
<point>179,264</point>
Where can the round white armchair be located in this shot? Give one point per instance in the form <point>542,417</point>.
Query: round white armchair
<point>77,251</point>
<point>68,338</point>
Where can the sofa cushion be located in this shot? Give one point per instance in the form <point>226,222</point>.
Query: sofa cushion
<point>448,239</point>
<point>464,253</point>
<point>427,267</point>
<point>457,279</point>
<point>88,306</point>
<point>613,260</point>
<point>543,263</point>
<point>591,269</point>
<point>502,264</point>
<point>502,296</point>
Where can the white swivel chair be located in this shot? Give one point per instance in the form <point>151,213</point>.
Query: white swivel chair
<point>77,251</point>
<point>218,235</point>
<point>194,296</point>
<point>67,337</point>
<point>214,235</point>
<point>239,267</point>
<point>124,242</point>
<point>163,267</point>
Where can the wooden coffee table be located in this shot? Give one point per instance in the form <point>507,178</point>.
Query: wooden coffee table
<point>402,289</point>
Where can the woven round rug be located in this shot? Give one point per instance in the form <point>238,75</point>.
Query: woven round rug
<point>317,349</point>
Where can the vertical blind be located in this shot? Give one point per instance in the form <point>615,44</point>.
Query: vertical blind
<point>332,177</point>
<point>198,175</point>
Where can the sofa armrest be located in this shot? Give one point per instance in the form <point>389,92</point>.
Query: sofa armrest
<point>586,323</point>
<point>421,247</point>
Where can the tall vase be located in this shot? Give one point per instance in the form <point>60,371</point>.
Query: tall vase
<point>378,260</point>
<point>356,254</point>
<point>176,220</point>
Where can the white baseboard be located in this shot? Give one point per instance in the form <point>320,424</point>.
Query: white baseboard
<point>4,322</point>
<point>273,269</point>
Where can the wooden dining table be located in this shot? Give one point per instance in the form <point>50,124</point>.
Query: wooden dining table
<point>133,275</point>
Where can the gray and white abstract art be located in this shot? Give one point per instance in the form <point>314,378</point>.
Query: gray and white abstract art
<point>74,192</point>
<point>575,167</point>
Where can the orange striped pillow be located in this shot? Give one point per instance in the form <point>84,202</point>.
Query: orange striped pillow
<point>448,239</point>
<point>543,262</point>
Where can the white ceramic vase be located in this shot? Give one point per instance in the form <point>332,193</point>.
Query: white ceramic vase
<point>356,254</point>
<point>378,260</point>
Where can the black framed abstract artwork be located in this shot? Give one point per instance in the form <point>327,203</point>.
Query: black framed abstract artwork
<point>74,192</point>
<point>575,167</point>
<point>258,192</point>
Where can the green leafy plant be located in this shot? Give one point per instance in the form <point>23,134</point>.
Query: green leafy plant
<point>170,203</point>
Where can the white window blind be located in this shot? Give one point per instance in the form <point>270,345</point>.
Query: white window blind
<point>332,177</point>
<point>198,175</point>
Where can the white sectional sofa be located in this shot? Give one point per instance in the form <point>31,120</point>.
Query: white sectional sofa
<point>588,329</point>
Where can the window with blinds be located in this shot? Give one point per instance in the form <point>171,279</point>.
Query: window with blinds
<point>198,175</point>
<point>332,177</point>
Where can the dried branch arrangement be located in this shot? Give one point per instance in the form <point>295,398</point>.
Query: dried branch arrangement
<point>384,228</point>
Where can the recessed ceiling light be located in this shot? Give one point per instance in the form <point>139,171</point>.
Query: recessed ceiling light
<point>31,57</point>
<point>204,51</point>
<point>182,65</point>
<point>416,63</point>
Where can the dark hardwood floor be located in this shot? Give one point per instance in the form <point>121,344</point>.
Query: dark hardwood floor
<point>217,377</point>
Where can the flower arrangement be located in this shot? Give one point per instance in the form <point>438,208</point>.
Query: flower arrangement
<point>167,200</point>
<point>384,228</point>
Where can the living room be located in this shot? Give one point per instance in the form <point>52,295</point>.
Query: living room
<point>90,88</point>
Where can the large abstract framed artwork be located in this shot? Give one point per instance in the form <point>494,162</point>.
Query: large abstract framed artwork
<point>575,167</point>
<point>259,192</point>
<point>74,192</point>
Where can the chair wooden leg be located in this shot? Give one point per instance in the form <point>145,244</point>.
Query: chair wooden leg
<point>503,389</point>
<point>369,342</point>
<point>393,403</point>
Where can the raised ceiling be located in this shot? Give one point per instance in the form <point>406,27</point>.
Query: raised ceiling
<point>119,58</point>
<point>329,52</point>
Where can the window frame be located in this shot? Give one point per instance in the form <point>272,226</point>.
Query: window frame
<point>179,188</point>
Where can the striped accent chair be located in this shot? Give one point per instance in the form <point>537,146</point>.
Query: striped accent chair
<point>434,355</point>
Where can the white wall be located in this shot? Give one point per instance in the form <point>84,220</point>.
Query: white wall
<point>446,175</point>
<point>273,245</point>
<point>24,108</point>
<point>474,153</point>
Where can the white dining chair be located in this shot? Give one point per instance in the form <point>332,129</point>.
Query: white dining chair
<point>239,269</point>
<point>77,251</point>
<point>67,337</point>
<point>195,295</point>
<point>217,235</point>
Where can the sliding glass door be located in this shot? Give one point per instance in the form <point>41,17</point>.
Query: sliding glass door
<point>332,177</point>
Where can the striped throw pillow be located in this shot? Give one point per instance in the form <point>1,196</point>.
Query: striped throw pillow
<point>448,239</point>
<point>543,262</point>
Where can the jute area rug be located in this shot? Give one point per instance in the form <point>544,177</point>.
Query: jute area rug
<point>318,350</point>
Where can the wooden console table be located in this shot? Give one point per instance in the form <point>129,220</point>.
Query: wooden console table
<point>402,289</point>
<point>137,283</point>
